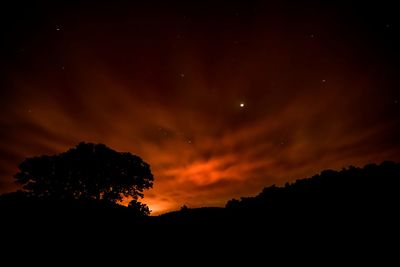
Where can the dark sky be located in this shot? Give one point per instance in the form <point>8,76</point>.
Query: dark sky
<point>220,99</point>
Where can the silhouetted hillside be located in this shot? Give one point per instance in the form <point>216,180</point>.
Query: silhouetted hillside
<point>354,207</point>
<point>352,193</point>
<point>349,214</point>
<point>20,210</point>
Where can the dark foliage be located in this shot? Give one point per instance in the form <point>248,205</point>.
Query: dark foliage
<point>351,192</point>
<point>86,172</point>
<point>139,208</point>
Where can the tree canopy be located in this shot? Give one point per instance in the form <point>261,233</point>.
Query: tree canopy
<point>86,172</point>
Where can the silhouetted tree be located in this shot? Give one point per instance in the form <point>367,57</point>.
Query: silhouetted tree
<point>88,171</point>
<point>184,208</point>
<point>139,208</point>
<point>232,204</point>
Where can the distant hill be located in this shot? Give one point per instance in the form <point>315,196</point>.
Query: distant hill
<point>352,207</point>
<point>352,194</point>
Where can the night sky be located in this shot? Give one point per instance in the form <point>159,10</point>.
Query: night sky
<point>220,99</point>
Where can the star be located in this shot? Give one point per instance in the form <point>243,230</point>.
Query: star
<point>242,105</point>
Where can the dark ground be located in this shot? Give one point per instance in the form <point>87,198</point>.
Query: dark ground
<point>334,215</point>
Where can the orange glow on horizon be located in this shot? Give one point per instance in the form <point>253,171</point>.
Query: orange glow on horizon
<point>220,107</point>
